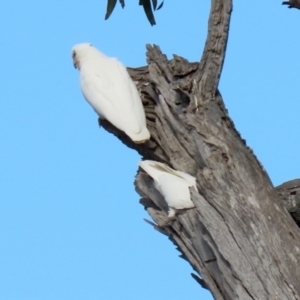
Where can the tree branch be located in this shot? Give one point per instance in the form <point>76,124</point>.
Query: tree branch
<point>210,68</point>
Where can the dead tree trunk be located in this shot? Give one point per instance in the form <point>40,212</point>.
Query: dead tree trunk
<point>239,238</point>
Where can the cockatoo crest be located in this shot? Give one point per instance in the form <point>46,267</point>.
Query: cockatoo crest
<point>107,86</point>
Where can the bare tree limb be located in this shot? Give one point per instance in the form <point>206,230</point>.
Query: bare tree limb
<point>211,64</point>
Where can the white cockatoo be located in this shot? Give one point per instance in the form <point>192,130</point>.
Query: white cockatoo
<point>107,86</point>
<point>172,184</point>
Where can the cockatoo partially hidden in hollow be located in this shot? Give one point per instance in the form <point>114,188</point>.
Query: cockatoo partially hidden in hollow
<point>172,184</point>
<point>107,86</point>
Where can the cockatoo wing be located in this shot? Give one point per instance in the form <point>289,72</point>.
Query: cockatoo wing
<point>175,191</point>
<point>103,92</point>
<point>182,175</point>
<point>172,184</point>
<point>153,168</point>
<point>113,95</point>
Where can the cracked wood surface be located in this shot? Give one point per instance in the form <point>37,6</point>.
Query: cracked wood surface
<point>289,193</point>
<point>239,237</point>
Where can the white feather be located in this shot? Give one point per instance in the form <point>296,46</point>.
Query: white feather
<point>107,86</point>
<point>172,184</point>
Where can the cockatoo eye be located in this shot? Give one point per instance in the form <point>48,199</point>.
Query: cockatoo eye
<point>74,54</point>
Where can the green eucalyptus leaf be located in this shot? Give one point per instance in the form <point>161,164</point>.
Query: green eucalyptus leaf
<point>160,6</point>
<point>110,7</point>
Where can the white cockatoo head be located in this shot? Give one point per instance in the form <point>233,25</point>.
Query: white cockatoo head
<point>78,52</point>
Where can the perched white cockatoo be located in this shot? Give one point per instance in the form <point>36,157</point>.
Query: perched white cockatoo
<point>107,86</point>
<point>172,184</point>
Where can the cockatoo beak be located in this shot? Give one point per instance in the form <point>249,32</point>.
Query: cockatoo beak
<point>75,63</point>
<point>75,60</point>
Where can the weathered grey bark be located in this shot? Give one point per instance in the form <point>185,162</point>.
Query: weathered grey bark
<point>239,238</point>
<point>289,193</point>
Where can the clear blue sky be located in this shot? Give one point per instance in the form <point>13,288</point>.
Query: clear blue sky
<point>71,226</point>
